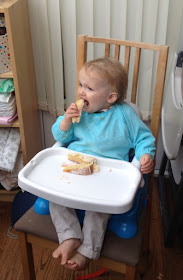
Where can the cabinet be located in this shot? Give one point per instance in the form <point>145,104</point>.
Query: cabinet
<point>23,74</point>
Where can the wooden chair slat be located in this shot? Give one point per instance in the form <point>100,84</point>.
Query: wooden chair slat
<point>135,75</point>
<point>117,50</point>
<point>127,58</point>
<point>81,57</point>
<point>107,50</point>
<point>158,92</point>
<point>124,43</point>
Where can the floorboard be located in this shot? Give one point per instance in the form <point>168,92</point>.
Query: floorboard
<point>160,264</point>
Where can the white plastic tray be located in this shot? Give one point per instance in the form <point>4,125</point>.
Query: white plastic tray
<point>111,190</point>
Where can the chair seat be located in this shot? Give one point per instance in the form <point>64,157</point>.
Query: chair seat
<point>114,247</point>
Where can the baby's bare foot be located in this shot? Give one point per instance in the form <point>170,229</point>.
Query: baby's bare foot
<point>66,249</point>
<point>77,262</point>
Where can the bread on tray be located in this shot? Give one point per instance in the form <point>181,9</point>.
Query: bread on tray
<point>81,158</point>
<point>79,169</point>
<point>80,105</point>
<point>86,165</point>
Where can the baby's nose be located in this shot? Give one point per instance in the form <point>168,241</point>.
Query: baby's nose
<point>82,92</point>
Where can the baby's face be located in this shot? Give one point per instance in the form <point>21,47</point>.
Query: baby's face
<point>94,90</point>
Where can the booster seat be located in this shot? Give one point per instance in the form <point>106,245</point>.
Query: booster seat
<point>123,225</point>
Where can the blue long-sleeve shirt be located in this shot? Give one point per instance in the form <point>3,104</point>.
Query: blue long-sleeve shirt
<point>108,134</point>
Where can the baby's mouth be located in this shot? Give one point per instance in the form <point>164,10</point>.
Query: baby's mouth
<point>86,103</point>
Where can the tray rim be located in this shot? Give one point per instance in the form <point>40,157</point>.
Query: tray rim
<point>89,204</point>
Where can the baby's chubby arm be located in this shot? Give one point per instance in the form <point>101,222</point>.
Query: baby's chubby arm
<point>71,112</point>
<point>147,164</point>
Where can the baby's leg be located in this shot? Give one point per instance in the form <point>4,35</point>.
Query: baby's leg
<point>68,230</point>
<point>94,228</point>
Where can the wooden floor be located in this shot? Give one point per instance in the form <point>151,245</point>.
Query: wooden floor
<point>162,264</point>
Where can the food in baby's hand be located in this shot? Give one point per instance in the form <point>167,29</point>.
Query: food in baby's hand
<point>80,106</point>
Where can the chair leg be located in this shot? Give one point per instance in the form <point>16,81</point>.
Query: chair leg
<point>26,257</point>
<point>130,272</point>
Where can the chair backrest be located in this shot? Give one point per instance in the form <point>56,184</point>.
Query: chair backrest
<point>159,80</point>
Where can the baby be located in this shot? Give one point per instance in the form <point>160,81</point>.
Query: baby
<point>109,128</point>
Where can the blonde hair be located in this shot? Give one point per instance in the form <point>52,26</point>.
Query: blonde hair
<point>114,73</point>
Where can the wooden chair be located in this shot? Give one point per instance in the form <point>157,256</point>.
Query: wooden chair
<point>35,229</point>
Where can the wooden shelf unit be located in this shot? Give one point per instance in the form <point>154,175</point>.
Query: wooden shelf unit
<point>23,74</point>
<point>6,75</point>
<point>15,123</point>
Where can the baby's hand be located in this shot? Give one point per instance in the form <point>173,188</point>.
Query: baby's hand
<point>147,164</point>
<point>71,112</point>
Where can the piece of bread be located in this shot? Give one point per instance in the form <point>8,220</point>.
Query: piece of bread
<point>80,105</point>
<point>79,169</point>
<point>81,158</point>
<point>83,162</point>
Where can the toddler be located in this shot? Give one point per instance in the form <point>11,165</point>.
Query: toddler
<point>109,128</point>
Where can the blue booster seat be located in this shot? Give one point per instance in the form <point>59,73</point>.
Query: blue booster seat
<point>123,225</point>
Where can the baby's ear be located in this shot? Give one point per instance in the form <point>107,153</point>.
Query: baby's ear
<point>112,97</point>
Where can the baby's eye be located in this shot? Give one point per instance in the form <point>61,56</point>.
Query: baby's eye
<point>80,84</point>
<point>90,89</point>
